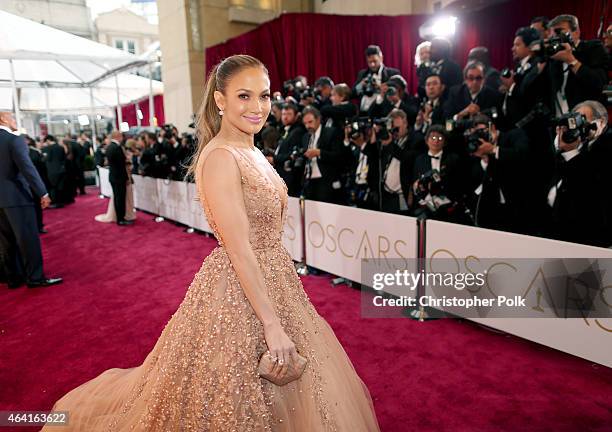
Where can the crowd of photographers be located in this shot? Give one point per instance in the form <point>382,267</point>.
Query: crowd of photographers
<point>524,149</point>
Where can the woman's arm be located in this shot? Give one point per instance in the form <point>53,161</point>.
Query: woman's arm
<point>223,194</point>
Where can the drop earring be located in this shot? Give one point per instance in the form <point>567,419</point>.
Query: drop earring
<point>220,112</point>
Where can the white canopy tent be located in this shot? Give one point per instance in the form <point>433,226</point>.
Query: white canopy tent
<point>51,67</point>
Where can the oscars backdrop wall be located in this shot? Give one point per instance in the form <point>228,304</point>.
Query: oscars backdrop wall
<point>518,256</point>
<point>292,234</point>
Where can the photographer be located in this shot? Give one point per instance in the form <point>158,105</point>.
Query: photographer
<point>322,92</point>
<point>437,178</point>
<point>431,111</point>
<point>540,24</point>
<point>323,150</point>
<point>364,177</point>
<point>491,75</point>
<point>148,165</point>
<point>572,70</point>
<point>581,210</point>
<point>340,109</point>
<point>471,97</point>
<point>393,95</point>
<point>401,148</point>
<point>497,191</point>
<point>441,64</point>
<point>290,140</point>
<point>367,85</point>
<point>422,61</point>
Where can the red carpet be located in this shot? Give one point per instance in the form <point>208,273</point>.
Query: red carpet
<point>123,284</point>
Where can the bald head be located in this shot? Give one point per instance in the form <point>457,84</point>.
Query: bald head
<point>7,119</point>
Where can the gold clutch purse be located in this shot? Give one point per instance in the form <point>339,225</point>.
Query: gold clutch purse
<point>294,369</point>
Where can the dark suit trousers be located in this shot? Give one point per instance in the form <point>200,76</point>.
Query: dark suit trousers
<point>20,243</point>
<point>319,189</point>
<point>119,191</point>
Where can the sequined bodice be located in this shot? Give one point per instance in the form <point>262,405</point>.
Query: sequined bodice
<point>265,198</point>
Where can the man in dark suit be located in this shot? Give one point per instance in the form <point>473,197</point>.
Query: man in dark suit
<point>575,74</point>
<point>324,150</point>
<point>117,176</point>
<point>491,75</point>
<point>472,96</point>
<point>431,111</point>
<point>290,140</point>
<point>449,71</point>
<point>394,95</point>
<point>367,85</point>
<point>55,158</point>
<point>38,159</point>
<point>148,164</point>
<point>20,245</point>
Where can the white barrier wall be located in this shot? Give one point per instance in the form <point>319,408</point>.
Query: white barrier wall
<point>105,186</point>
<point>590,338</point>
<point>339,237</point>
<point>292,234</point>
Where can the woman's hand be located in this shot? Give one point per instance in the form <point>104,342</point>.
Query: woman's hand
<point>280,347</point>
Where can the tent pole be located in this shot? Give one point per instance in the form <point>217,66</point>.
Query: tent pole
<point>119,113</point>
<point>151,107</point>
<point>94,132</point>
<point>47,111</point>
<point>15,96</point>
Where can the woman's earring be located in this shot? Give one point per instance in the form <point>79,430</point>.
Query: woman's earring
<point>220,112</point>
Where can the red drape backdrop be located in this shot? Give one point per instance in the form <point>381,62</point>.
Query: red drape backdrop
<point>314,44</point>
<point>128,111</point>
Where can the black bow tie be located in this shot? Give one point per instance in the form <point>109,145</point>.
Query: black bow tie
<point>434,157</point>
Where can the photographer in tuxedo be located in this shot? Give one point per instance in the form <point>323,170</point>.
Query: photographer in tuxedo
<point>367,85</point>
<point>431,110</point>
<point>287,150</point>
<point>437,179</point>
<point>576,72</point>
<point>400,151</point>
<point>118,176</point>
<point>323,151</point>
<point>472,96</point>
<point>496,190</point>
<point>323,89</point>
<point>578,198</point>
<point>20,251</point>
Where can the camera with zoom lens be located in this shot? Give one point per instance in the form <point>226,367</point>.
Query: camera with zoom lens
<point>383,130</point>
<point>576,125</point>
<point>429,183</point>
<point>369,87</point>
<point>359,126</point>
<point>546,48</point>
<point>464,124</point>
<point>472,140</point>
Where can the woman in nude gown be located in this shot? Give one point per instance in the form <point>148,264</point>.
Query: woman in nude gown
<point>246,299</point>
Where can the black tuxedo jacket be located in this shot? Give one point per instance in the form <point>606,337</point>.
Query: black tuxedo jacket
<point>286,144</point>
<point>332,149</point>
<point>56,162</point>
<point>504,172</point>
<point>459,98</point>
<point>116,163</point>
<point>339,113</point>
<point>18,176</point>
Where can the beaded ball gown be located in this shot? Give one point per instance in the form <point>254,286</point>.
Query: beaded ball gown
<point>202,375</point>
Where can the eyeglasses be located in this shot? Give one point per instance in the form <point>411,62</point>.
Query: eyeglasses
<point>474,78</point>
<point>436,138</point>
